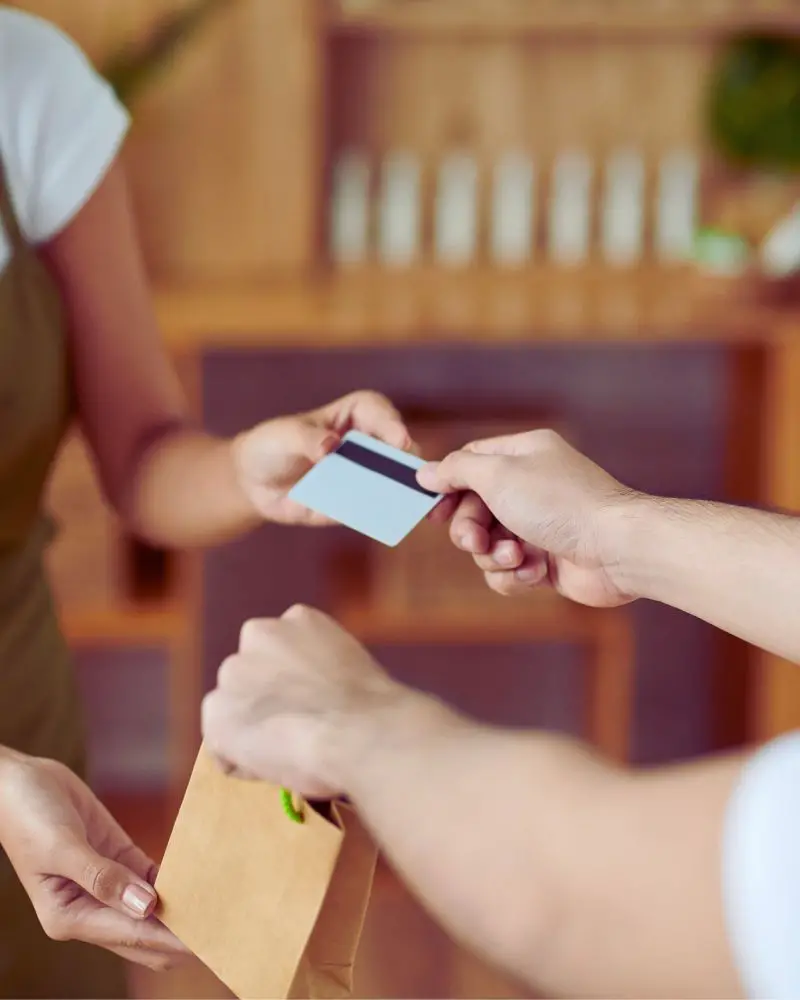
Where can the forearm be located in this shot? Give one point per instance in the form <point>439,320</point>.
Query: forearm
<point>578,878</point>
<point>184,492</point>
<point>736,568</point>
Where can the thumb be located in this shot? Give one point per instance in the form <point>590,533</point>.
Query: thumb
<point>311,441</point>
<point>461,470</point>
<point>107,881</point>
<point>286,449</point>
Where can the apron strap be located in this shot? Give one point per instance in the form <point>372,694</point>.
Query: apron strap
<point>7,214</point>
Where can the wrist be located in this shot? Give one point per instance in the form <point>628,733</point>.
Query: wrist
<point>366,736</point>
<point>637,544</point>
<point>234,449</point>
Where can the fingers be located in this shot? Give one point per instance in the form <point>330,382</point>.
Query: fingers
<point>156,961</point>
<point>147,942</point>
<point>471,524</point>
<point>107,881</point>
<point>460,471</point>
<point>529,572</point>
<point>508,444</point>
<point>445,509</point>
<point>503,554</point>
<point>260,633</point>
<point>138,862</point>
<point>308,440</point>
<point>369,412</point>
<point>525,443</point>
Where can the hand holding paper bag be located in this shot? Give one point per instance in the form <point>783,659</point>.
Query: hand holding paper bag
<point>273,908</point>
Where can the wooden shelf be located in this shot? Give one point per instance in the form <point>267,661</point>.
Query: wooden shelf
<point>372,307</point>
<point>543,618</point>
<point>123,624</point>
<point>602,18</point>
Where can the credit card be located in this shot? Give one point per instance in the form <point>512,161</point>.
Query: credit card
<point>368,486</point>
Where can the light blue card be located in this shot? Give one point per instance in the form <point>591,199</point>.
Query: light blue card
<point>368,486</point>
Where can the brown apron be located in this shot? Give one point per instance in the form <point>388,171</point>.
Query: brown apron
<point>39,705</point>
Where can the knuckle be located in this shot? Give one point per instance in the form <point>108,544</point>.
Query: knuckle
<point>298,613</point>
<point>254,632</point>
<point>211,716</point>
<point>229,670</point>
<point>374,397</point>
<point>546,439</point>
<point>100,881</point>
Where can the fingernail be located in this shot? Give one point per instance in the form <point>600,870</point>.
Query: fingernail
<point>504,555</point>
<point>530,574</point>
<point>138,899</point>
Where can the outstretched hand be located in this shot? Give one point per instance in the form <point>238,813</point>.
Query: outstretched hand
<point>532,510</point>
<point>85,877</point>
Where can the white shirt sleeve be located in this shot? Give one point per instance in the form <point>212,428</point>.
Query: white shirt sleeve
<point>61,125</point>
<point>761,872</point>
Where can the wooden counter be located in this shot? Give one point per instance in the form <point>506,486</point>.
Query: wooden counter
<point>372,307</point>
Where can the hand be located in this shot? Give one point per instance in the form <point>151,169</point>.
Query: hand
<point>292,703</point>
<point>535,511</point>
<point>86,879</point>
<point>272,457</point>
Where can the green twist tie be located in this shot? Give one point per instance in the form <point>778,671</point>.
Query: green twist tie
<point>289,808</point>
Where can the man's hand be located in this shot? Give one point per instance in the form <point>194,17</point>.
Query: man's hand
<point>534,510</point>
<point>299,698</point>
<point>273,456</point>
<point>85,878</point>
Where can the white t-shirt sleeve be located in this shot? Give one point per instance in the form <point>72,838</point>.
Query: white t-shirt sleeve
<point>761,872</point>
<point>61,125</point>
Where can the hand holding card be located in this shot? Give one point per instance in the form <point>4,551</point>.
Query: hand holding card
<point>368,486</point>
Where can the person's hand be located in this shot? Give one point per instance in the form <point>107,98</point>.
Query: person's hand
<point>273,456</point>
<point>86,879</point>
<point>533,510</point>
<point>291,705</point>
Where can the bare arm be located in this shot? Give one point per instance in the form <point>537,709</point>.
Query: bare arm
<point>173,484</point>
<point>565,521</point>
<point>580,879</point>
<point>736,568</point>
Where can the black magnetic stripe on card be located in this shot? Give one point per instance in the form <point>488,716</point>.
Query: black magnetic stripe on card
<point>383,465</point>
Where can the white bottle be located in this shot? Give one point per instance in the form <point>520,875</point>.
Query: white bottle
<point>349,232</point>
<point>456,214</point>
<point>513,209</point>
<point>570,208</point>
<point>400,209</point>
<point>676,210</point>
<point>780,251</point>
<point>622,228</point>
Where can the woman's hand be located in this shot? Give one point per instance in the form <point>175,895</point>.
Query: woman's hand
<point>86,879</point>
<point>272,457</point>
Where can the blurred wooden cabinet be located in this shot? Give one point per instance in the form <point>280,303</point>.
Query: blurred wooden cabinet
<point>338,172</point>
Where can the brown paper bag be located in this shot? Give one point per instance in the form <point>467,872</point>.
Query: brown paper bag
<point>274,908</point>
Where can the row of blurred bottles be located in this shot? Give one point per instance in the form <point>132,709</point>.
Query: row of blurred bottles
<point>399,211</point>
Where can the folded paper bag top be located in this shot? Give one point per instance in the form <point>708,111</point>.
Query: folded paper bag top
<point>273,908</point>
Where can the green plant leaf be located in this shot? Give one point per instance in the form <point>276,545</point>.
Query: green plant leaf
<point>754,103</point>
